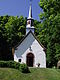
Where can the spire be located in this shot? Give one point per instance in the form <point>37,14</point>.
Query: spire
<point>30,10</point>
<point>30,20</point>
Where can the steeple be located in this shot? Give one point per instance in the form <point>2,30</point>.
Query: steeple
<point>30,11</point>
<point>30,20</point>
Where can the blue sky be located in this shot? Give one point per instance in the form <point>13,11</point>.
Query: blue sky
<point>19,7</point>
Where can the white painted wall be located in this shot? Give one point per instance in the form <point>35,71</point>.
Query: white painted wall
<point>24,48</point>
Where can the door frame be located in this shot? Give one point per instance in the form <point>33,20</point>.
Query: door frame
<point>28,56</point>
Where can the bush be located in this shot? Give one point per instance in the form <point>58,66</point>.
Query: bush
<point>3,64</point>
<point>12,64</point>
<point>9,64</point>
<point>24,68</point>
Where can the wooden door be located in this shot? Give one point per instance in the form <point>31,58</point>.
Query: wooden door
<point>30,60</point>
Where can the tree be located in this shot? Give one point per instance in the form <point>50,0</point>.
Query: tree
<point>50,34</point>
<point>12,29</point>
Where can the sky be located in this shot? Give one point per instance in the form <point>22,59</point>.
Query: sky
<point>20,7</point>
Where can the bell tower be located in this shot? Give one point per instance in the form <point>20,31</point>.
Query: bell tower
<point>30,20</point>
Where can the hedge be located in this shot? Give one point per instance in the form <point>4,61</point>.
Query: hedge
<point>12,64</point>
<point>23,68</point>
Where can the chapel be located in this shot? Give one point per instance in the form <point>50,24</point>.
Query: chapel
<point>29,50</point>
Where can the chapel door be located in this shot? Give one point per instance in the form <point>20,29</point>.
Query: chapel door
<point>30,60</point>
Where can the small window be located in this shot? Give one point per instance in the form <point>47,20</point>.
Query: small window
<point>19,60</point>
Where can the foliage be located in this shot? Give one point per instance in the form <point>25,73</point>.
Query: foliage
<point>50,30</point>
<point>9,64</point>
<point>12,64</point>
<point>23,68</point>
<point>12,30</point>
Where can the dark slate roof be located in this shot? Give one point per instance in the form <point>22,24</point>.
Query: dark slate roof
<point>34,37</point>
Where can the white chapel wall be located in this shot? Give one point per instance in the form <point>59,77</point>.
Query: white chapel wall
<point>24,48</point>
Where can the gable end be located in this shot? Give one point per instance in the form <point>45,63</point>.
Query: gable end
<point>34,37</point>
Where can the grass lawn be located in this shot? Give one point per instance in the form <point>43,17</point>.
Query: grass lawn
<point>36,74</point>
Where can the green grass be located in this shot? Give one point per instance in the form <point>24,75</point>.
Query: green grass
<point>36,74</point>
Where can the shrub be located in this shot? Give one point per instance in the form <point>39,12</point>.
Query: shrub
<point>12,64</point>
<point>9,64</point>
<point>24,68</point>
<point>3,64</point>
